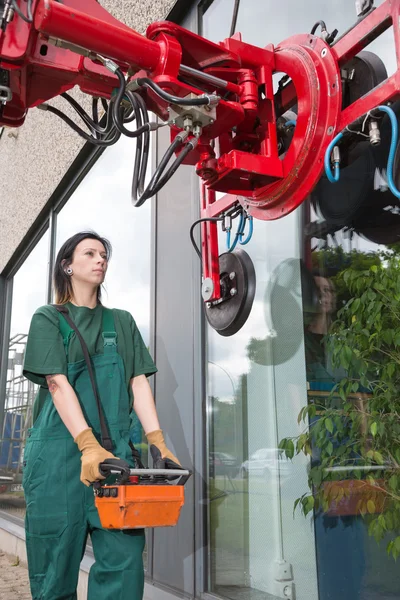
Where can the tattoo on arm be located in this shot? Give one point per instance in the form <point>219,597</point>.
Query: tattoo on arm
<point>52,384</point>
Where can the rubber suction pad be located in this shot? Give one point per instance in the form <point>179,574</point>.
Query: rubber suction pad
<point>238,287</point>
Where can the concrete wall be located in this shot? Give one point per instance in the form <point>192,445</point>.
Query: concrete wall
<point>34,158</point>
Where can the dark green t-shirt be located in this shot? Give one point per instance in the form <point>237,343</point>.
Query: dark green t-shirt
<point>45,352</point>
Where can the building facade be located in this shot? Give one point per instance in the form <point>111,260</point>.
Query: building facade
<point>226,404</point>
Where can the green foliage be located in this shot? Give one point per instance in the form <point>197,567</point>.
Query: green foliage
<point>358,426</point>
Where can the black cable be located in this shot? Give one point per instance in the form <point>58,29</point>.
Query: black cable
<point>189,146</point>
<point>318,24</point>
<point>139,143</point>
<point>199,101</point>
<point>95,114</point>
<point>116,107</point>
<point>195,246</point>
<point>234,17</point>
<point>146,143</point>
<point>105,105</point>
<point>118,114</point>
<point>83,134</point>
<point>94,127</point>
<point>29,10</point>
<point>138,201</point>
<point>95,110</point>
<point>27,19</point>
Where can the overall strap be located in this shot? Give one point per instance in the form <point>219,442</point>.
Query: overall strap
<point>65,330</point>
<point>105,435</point>
<point>108,331</point>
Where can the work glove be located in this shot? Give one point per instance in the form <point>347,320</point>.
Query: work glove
<point>92,455</point>
<point>156,438</point>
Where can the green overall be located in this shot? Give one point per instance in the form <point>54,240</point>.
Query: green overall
<point>60,510</point>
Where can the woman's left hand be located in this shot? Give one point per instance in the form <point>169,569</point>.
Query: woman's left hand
<point>156,438</point>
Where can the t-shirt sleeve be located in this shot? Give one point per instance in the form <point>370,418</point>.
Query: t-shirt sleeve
<point>45,352</point>
<point>142,362</point>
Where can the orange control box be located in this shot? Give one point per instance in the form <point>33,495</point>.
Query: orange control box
<point>139,506</point>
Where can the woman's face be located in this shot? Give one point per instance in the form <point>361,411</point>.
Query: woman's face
<point>89,262</point>
<point>327,294</point>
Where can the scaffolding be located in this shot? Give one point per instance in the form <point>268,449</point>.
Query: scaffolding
<point>19,397</point>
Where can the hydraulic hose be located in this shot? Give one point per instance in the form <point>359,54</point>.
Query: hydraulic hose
<point>29,17</point>
<point>205,99</point>
<point>206,219</point>
<point>138,200</point>
<point>91,123</point>
<point>118,112</point>
<point>142,160</point>
<point>89,138</point>
<point>189,146</point>
<point>393,146</point>
<point>333,178</point>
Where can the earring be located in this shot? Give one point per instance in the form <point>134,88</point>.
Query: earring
<point>69,271</point>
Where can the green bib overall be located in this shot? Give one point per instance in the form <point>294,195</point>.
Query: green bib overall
<point>60,510</point>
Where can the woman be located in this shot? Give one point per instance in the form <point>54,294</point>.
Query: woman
<point>63,453</point>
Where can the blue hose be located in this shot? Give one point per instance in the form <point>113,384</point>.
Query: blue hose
<point>333,178</point>
<point>393,145</point>
<point>250,234</point>
<point>238,234</point>
<point>290,123</point>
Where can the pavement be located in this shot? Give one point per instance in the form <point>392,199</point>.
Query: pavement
<point>14,581</point>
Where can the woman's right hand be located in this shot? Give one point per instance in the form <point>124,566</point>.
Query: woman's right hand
<point>92,455</point>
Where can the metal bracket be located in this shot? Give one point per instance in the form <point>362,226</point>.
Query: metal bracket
<point>201,115</point>
<point>5,94</point>
<point>363,7</point>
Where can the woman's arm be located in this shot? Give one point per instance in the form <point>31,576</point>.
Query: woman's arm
<point>67,404</point>
<point>68,407</point>
<point>143,403</point>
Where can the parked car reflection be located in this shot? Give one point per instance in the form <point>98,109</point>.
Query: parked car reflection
<point>266,462</point>
<point>222,463</point>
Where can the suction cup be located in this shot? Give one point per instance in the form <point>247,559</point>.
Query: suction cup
<point>291,301</point>
<point>238,287</point>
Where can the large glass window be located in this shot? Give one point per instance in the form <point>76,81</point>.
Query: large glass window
<point>283,362</point>
<point>102,203</point>
<point>29,292</point>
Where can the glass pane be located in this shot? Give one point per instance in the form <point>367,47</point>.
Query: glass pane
<point>279,364</point>
<point>256,387</point>
<point>29,292</point>
<point>102,203</point>
<point>260,23</point>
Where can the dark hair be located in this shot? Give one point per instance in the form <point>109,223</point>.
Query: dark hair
<point>62,282</point>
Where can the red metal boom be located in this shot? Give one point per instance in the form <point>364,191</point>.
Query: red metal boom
<point>238,151</point>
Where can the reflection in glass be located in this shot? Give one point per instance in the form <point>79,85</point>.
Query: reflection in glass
<point>274,369</point>
<point>29,292</point>
<point>256,384</point>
